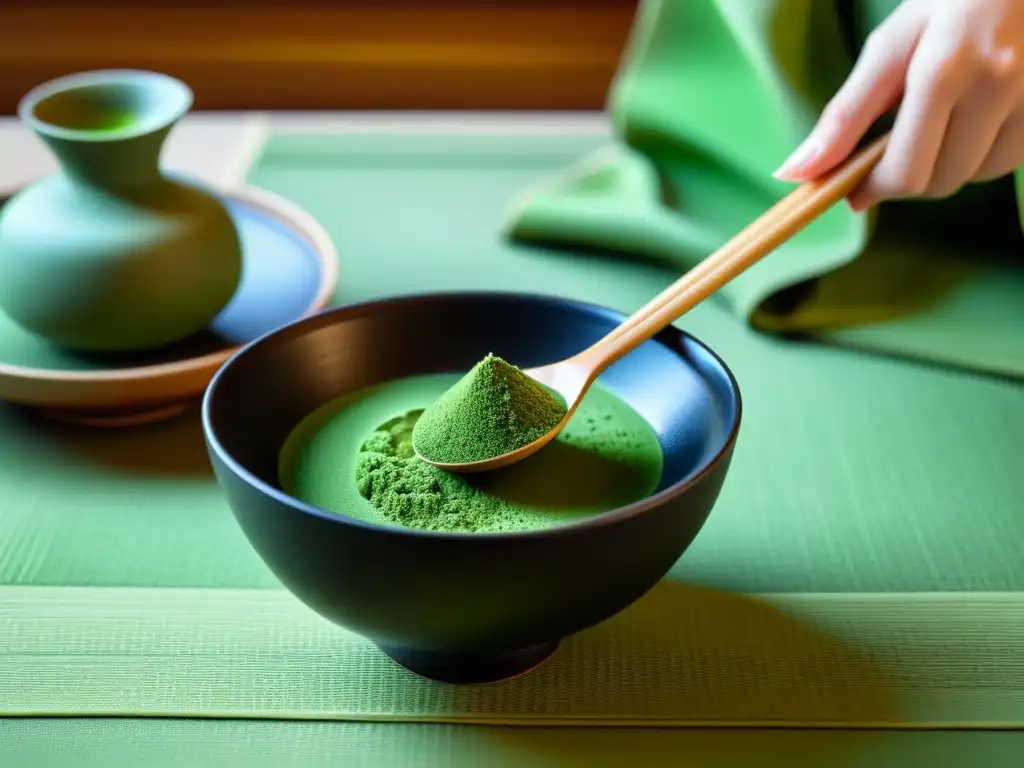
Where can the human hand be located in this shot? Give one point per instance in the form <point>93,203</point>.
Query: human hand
<point>956,69</point>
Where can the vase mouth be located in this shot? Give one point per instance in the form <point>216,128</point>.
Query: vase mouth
<point>105,105</point>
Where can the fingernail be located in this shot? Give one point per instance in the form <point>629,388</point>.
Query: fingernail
<point>856,205</point>
<point>800,157</point>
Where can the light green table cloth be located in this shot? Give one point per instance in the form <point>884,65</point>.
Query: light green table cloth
<point>711,97</point>
<point>159,607</point>
<point>680,657</point>
<point>128,743</point>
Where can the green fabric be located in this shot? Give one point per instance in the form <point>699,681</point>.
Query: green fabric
<point>679,657</point>
<point>128,743</point>
<point>711,97</point>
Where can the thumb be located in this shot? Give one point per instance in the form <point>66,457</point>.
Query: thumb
<point>873,87</point>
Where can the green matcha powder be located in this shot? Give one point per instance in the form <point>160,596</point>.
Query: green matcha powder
<point>354,457</point>
<point>410,492</point>
<point>493,410</point>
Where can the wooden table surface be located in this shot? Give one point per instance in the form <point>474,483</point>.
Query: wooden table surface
<point>330,54</point>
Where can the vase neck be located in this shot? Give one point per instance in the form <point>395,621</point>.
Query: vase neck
<point>112,164</point>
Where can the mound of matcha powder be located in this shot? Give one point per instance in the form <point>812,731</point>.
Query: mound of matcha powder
<point>410,492</point>
<point>492,410</point>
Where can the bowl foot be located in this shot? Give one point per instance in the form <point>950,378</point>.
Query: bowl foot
<point>471,668</point>
<point>114,417</point>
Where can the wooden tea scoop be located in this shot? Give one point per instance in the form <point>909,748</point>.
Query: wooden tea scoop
<point>572,378</point>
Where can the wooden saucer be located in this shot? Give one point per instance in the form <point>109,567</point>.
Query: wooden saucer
<point>290,271</point>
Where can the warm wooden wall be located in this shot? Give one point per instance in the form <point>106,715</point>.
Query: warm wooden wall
<point>330,54</point>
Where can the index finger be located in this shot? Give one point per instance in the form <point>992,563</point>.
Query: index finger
<point>872,88</point>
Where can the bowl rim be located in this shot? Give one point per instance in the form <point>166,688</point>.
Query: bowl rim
<point>329,315</point>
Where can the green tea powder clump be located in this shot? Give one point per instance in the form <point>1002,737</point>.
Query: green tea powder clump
<point>492,410</point>
<point>409,492</point>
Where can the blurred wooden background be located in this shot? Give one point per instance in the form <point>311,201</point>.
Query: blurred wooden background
<point>330,54</point>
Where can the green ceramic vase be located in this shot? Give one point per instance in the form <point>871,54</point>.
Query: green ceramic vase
<point>110,254</point>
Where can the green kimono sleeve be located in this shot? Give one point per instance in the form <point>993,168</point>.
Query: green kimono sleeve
<point>710,98</point>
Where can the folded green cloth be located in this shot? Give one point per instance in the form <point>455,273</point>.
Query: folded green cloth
<point>711,97</point>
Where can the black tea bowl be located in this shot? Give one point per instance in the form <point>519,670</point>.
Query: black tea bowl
<point>465,607</point>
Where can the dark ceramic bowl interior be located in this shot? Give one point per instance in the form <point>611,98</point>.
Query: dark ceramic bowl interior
<point>466,607</point>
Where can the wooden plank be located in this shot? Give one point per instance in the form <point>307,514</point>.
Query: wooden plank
<point>314,54</point>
